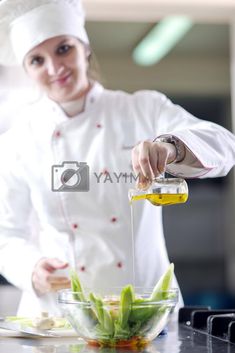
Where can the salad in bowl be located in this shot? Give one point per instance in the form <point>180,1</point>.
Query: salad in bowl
<point>117,318</point>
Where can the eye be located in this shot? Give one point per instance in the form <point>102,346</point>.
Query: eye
<point>36,60</point>
<point>64,49</point>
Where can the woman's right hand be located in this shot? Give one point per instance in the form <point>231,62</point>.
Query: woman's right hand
<point>149,160</point>
<point>44,276</point>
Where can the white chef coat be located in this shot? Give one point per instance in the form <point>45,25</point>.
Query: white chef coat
<point>94,225</point>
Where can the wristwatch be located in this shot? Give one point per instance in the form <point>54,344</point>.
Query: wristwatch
<point>179,146</point>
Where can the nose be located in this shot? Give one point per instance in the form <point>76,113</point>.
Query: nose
<point>54,67</point>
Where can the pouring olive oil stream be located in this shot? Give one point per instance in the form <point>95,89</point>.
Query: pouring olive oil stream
<point>161,192</point>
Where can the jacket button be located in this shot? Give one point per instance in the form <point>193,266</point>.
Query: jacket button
<point>105,172</point>
<point>98,126</point>
<point>119,264</point>
<point>114,219</point>
<point>57,133</point>
<point>75,226</point>
<point>82,268</point>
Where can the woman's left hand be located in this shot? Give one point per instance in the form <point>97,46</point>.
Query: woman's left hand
<point>149,160</point>
<point>45,279</point>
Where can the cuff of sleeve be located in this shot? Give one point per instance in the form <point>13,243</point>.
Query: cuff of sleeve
<point>190,166</point>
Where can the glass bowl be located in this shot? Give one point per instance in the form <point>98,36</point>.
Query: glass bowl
<point>111,322</point>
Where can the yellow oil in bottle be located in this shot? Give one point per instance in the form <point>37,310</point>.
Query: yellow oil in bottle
<point>162,199</point>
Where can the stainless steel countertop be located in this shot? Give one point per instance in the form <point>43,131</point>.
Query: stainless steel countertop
<point>178,339</point>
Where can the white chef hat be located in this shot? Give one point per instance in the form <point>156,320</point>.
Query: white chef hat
<point>26,23</point>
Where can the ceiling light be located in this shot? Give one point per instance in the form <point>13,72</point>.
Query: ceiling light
<point>161,39</point>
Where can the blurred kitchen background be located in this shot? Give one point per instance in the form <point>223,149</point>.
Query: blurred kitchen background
<point>197,73</point>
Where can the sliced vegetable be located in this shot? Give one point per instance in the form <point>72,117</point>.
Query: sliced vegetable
<point>104,317</point>
<point>121,326</point>
<point>77,287</point>
<point>164,284</point>
<point>126,300</point>
<point>59,322</point>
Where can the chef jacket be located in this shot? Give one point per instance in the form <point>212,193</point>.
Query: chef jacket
<point>86,220</point>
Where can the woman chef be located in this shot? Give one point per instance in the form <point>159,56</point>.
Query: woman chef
<point>84,215</point>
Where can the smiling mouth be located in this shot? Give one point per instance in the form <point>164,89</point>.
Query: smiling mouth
<point>62,80</point>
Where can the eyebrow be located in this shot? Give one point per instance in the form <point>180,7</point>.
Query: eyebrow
<point>63,41</point>
<point>31,56</point>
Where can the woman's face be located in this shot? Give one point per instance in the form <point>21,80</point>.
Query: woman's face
<point>59,66</point>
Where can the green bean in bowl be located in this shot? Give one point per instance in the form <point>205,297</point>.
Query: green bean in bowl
<point>119,317</point>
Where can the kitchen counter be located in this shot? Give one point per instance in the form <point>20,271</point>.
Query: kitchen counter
<point>178,339</point>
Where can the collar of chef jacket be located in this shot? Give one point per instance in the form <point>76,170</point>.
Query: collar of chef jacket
<point>91,98</point>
